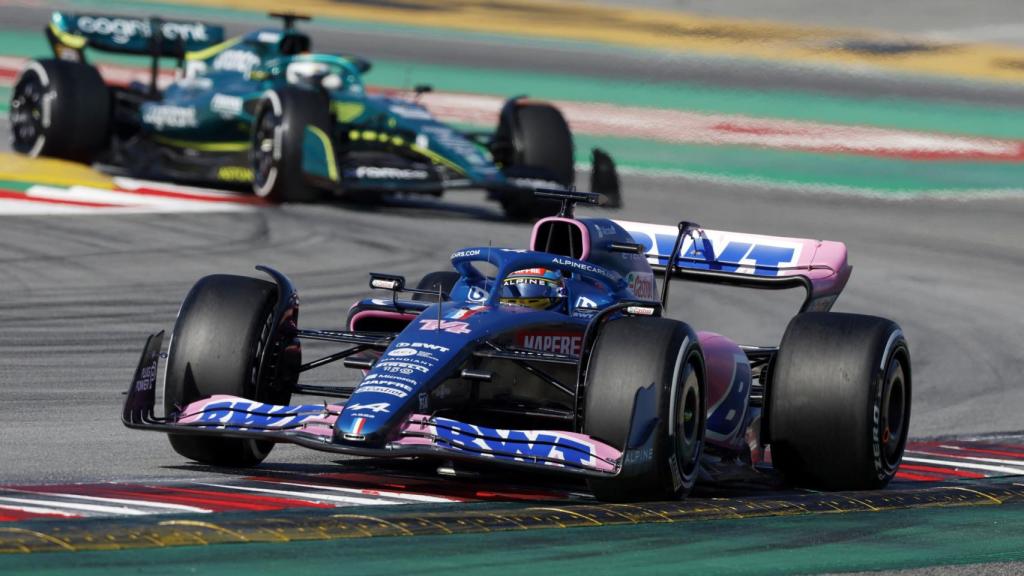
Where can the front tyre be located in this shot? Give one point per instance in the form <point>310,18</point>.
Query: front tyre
<point>657,363</point>
<point>839,401</point>
<point>222,329</point>
<point>442,279</point>
<point>533,142</point>
<point>277,140</point>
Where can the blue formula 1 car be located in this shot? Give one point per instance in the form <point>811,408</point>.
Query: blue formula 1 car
<point>262,109</point>
<point>554,358</point>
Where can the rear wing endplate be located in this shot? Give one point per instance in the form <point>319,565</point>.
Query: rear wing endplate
<point>747,260</point>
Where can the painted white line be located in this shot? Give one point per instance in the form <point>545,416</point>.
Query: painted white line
<point>308,495</point>
<point>87,194</point>
<point>133,184</point>
<point>975,458</point>
<point>79,211</point>
<point>955,464</point>
<point>686,127</point>
<point>122,510</point>
<point>139,503</point>
<point>387,493</point>
<point>121,202</point>
<point>37,510</point>
<point>968,449</point>
<point>994,460</point>
<point>12,207</point>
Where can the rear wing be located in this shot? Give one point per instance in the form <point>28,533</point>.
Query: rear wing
<point>748,260</point>
<point>70,34</point>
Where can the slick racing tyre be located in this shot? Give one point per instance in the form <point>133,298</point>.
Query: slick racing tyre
<point>653,367</point>
<point>444,279</point>
<point>60,109</point>
<point>277,139</point>
<point>533,142</point>
<point>839,401</point>
<point>221,331</point>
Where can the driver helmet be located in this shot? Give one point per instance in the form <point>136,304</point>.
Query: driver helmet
<point>537,288</point>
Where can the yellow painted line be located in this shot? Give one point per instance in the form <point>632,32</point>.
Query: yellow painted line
<point>989,496</point>
<point>51,172</point>
<point>200,524</point>
<point>675,31</point>
<point>589,520</point>
<point>26,547</point>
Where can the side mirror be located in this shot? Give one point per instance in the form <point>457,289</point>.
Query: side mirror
<point>387,282</point>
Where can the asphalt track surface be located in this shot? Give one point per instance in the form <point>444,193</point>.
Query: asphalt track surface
<point>78,295</point>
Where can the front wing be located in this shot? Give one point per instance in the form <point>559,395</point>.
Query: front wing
<point>312,426</point>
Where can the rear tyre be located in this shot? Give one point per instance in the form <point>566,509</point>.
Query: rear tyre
<point>222,328</point>
<point>662,360</point>
<point>444,279</point>
<point>839,403</point>
<point>533,141</point>
<point>60,109</point>
<point>277,139</point>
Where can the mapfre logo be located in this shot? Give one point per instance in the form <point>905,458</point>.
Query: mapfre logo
<point>568,343</point>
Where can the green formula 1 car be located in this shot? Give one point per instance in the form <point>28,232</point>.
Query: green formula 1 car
<point>261,108</point>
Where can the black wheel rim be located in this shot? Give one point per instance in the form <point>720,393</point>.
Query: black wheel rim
<point>26,114</point>
<point>263,147</point>
<point>893,412</point>
<point>689,428</point>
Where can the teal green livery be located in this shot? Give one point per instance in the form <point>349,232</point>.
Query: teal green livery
<point>262,110</point>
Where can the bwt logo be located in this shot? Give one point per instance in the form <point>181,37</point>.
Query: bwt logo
<point>515,444</point>
<point>736,256</point>
<point>246,415</point>
<point>567,343</point>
